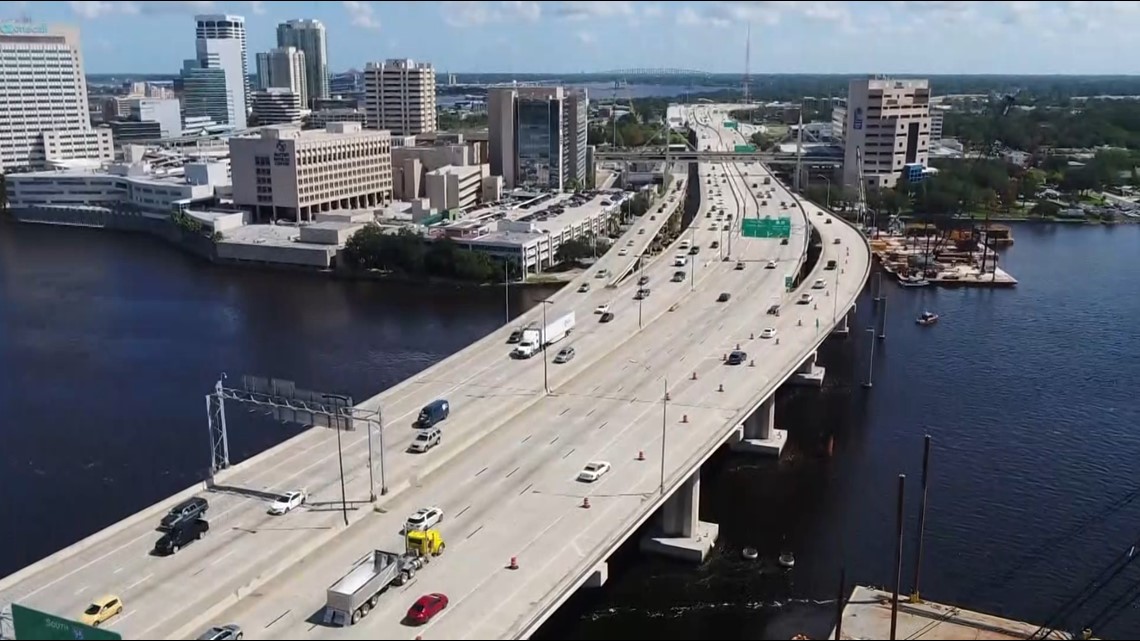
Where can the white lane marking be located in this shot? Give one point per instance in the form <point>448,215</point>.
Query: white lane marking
<point>80,590</point>
<point>117,570</point>
<point>139,582</point>
<point>220,558</point>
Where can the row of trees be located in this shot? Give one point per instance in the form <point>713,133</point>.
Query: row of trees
<point>405,253</point>
<point>1095,123</point>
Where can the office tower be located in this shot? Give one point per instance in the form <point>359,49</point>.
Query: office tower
<point>537,136</point>
<point>220,44</point>
<point>164,111</point>
<point>399,95</point>
<point>309,37</point>
<point>276,106</point>
<point>889,120</point>
<point>43,91</point>
<point>283,68</point>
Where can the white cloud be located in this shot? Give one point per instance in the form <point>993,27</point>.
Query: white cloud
<point>585,37</point>
<point>687,17</point>
<point>257,8</point>
<point>92,9</point>
<point>595,9</point>
<point>362,14</point>
<point>472,13</point>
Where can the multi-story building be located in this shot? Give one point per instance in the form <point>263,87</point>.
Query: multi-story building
<point>43,91</point>
<point>889,122</point>
<point>839,120</point>
<point>286,172</point>
<point>277,106</point>
<point>283,68</point>
<point>309,37</point>
<point>537,136</point>
<point>399,95</point>
<point>318,118</point>
<point>450,187</point>
<point>167,112</point>
<point>219,45</point>
<point>937,118</point>
<point>133,131</point>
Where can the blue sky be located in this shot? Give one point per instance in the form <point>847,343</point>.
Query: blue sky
<point>526,36</point>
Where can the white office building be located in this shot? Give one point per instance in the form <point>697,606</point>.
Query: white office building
<point>451,187</point>
<point>219,46</point>
<point>167,112</point>
<point>889,121</point>
<point>287,172</point>
<point>399,96</point>
<point>537,136</point>
<point>43,92</point>
<point>277,106</point>
<point>309,37</point>
<point>283,68</point>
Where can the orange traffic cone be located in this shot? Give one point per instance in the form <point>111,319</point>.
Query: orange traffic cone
<point>720,388</point>
<point>586,502</point>
<point>694,375</point>
<point>751,336</point>
<point>640,455</point>
<point>752,363</point>
<point>667,397</point>
<point>514,563</point>
<point>684,418</point>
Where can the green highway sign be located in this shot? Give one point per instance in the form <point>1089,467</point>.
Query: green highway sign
<point>33,624</point>
<point>767,227</point>
<point>745,149</point>
<point>730,124</point>
<point>789,283</point>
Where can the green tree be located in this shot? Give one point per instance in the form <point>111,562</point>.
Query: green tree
<point>763,141</point>
<point>1045,209</point>
<point>1031,183</point>
<point>574,250</point>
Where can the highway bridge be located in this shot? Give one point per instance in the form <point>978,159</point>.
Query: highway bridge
<point>766,158</point>
<point>649,392</point>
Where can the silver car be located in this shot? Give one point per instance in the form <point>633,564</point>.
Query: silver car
<point>219,632</point>
<point>565,355</point>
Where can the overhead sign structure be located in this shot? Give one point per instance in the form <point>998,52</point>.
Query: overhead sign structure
<point>33,624</point>
<point>767,227</point>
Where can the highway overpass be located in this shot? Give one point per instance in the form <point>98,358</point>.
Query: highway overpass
<point>767,158</point>
<point>650,385</point>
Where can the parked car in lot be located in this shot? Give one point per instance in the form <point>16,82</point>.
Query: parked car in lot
<point>564,355</point>
<point>287,501</point>
<point>737,357</point>
<point>593,471</point>
<point>424,518</point>
<point>426,607</point>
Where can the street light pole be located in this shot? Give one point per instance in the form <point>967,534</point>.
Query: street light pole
<point>340,451</point>
<point>542,339</point>
<point>507,289</point>
<point>828,205</point>
<point>640,297</point>
<point>664,415</point>
<point>383,477</point>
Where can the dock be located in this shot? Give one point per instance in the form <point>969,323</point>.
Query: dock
<point>867,615</point>
<point>902,255</point>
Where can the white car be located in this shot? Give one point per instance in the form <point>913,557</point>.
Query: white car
<point>771,265</point>
<point>769,332</point>
<point>593,471</point>
<point>805,298</point>
<point>602,309</point>
<point>818,284</point>
<point>623,252</point>
<point>288,501</point>
<point>424,518</point>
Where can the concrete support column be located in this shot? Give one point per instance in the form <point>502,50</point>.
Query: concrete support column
<point>680,534</point>
<point>759,425</point>
<point>808,374</point>
<point>842,328</point>
<point>758,433</point>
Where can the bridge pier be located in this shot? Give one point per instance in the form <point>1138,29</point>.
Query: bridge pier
<point>809,374</point>
<point>599,576</point>
<point>680,534</point>
<point>758,433</point>
<point>842,329</point>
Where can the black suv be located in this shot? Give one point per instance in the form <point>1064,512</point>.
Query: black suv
<point>184,512</point>
<point>180,537</point>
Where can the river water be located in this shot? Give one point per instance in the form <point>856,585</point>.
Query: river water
<point>109,342</point>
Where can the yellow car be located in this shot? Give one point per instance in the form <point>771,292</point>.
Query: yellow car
<point>102,609</point>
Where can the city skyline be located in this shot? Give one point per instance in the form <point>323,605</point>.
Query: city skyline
<point>567,37</point>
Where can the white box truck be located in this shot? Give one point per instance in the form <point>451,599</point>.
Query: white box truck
<point>533,339</point>
<point>558,329</point>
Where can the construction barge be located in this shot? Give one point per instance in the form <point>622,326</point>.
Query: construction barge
<point>923,255</point>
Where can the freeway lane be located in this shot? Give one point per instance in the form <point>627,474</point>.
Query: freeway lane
<point>529,458</point>
<point>245,543</point>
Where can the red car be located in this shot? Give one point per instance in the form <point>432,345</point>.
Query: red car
<point>427,607</point>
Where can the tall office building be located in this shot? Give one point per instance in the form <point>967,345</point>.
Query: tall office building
<point>283,68</point>
<point>43,92</point>
<point>309,37</point>
<point>399,95</point>
<point>889,120</point>
<point>220,44</point>
<point>276,106</point>
<point>537,136</point>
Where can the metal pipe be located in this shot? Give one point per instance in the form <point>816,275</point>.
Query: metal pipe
<point>383,478</point>
<point>914,595</point>
<point>542,339</point>
<point>507,289</point>
<point>871,359</point>
<point>878,285</point>
<point>898,557</point>
<point>883,320</point>
<point>343,493</point>
<point>371,480</point>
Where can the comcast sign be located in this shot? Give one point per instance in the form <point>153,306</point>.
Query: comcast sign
<point>11,28</point>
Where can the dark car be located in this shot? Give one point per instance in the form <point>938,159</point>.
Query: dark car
<point>694,250</point>
<point>774,310</point>
<point>515,336</point>
<point>181,536</point>
<point>642,293</point>
<point>607,317</point>
<point>222,633</point>
<point>643,280</point>
<point>678,277</point>
<point>723,298</point>
<point>186,511</point>
<point>432,413</point>
<point>427,607</point>
<point>784,241</point>
<point>737,357</point>
<point>714,244</point>
<point>739,265</point>
<point>830,266</point>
